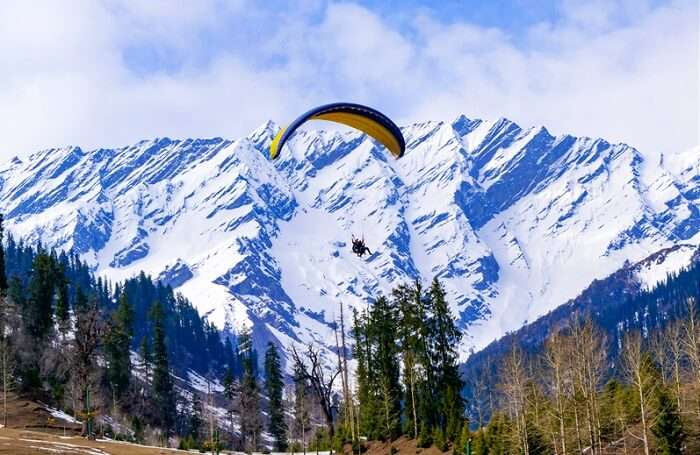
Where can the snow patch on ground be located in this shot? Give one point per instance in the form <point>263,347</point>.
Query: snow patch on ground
<point>58,414</point>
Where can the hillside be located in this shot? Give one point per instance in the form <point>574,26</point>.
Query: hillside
<point>619,304</point>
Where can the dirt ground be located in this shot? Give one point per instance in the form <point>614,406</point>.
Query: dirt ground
<point>26,442</point>
<point>31,442</point>
<point>27,415</point>
<point>404,446</point>
<point>31,429</point>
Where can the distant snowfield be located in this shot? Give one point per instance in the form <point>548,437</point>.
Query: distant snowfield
<point>654,273</point>
<point>514,221</point>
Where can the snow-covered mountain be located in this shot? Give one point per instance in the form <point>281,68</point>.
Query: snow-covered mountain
<point>514,221</point>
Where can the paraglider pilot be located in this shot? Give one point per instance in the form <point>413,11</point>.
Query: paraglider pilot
<point>359,247</point>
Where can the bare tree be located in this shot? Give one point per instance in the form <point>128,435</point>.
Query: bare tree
<point>514,381</point>
<point>638,369</point>
<point>9,322</point>
<point>7,382</point>
<point>691,345</point>
<point>83,358</point>
<point>588,356</point>
<point>668,347</point>
<point>301,409</point>
<point>343,380</point>
<point>348,390</point>
<point>557,358</point>
<point>321,377</point>
<point>479,400</point>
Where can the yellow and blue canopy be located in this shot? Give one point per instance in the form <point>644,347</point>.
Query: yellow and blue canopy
<point>363,118</point>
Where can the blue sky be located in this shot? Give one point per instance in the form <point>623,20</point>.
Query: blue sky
<point>512,15</point>
<point>111,72</point>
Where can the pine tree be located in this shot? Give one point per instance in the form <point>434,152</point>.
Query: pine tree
<point>195,422</point>
<point>446,338</point>
<point>230,394</point>
<point>163,390</point>
<point>668,427</point>
<point>409,303</point>
<point>118,347</point>
<point>386,365</point>
<point>81,300</point>
<point>365,389</point>
<point>273,386</point>
<point>230,357</point>
<point>38,314</point>
<point>62,299</point>
<point>146,358</point>
<point>249,406</point>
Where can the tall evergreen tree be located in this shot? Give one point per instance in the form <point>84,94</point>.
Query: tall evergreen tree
<point>146,358</point>
<point>408,301</point>
<point>251,418</point>
<point>81,300</point>
<point>230,357</point>
<point>668,427</point>
<point>386,365</point>
<point>118,347</point>
<point>195,422</point>
<point>273,386</point>
<point>230,394</point>
<point>163,389</point>
<point>62,298</point>
<point>446,338</point>
<point>38,314</point>
<point>365,390</point>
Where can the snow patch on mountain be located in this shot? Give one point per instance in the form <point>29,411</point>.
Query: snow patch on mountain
<point>655,269</point>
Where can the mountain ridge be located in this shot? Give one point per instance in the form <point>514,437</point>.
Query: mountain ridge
<point>496,211</point>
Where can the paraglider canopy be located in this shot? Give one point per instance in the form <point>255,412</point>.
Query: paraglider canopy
<point>357,116</point>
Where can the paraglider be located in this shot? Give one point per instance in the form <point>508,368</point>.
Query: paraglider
<point>363,118</point>
<point>357,116</point>
<point>359,247</point>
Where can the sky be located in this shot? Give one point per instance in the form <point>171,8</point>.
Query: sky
<point>108,73</point>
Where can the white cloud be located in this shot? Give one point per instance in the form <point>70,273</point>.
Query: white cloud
<point>612,70</point>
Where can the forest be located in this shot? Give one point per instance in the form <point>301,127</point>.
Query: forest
<point>112,356</point>
<point>571,399</point>
<point>616,370</point>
